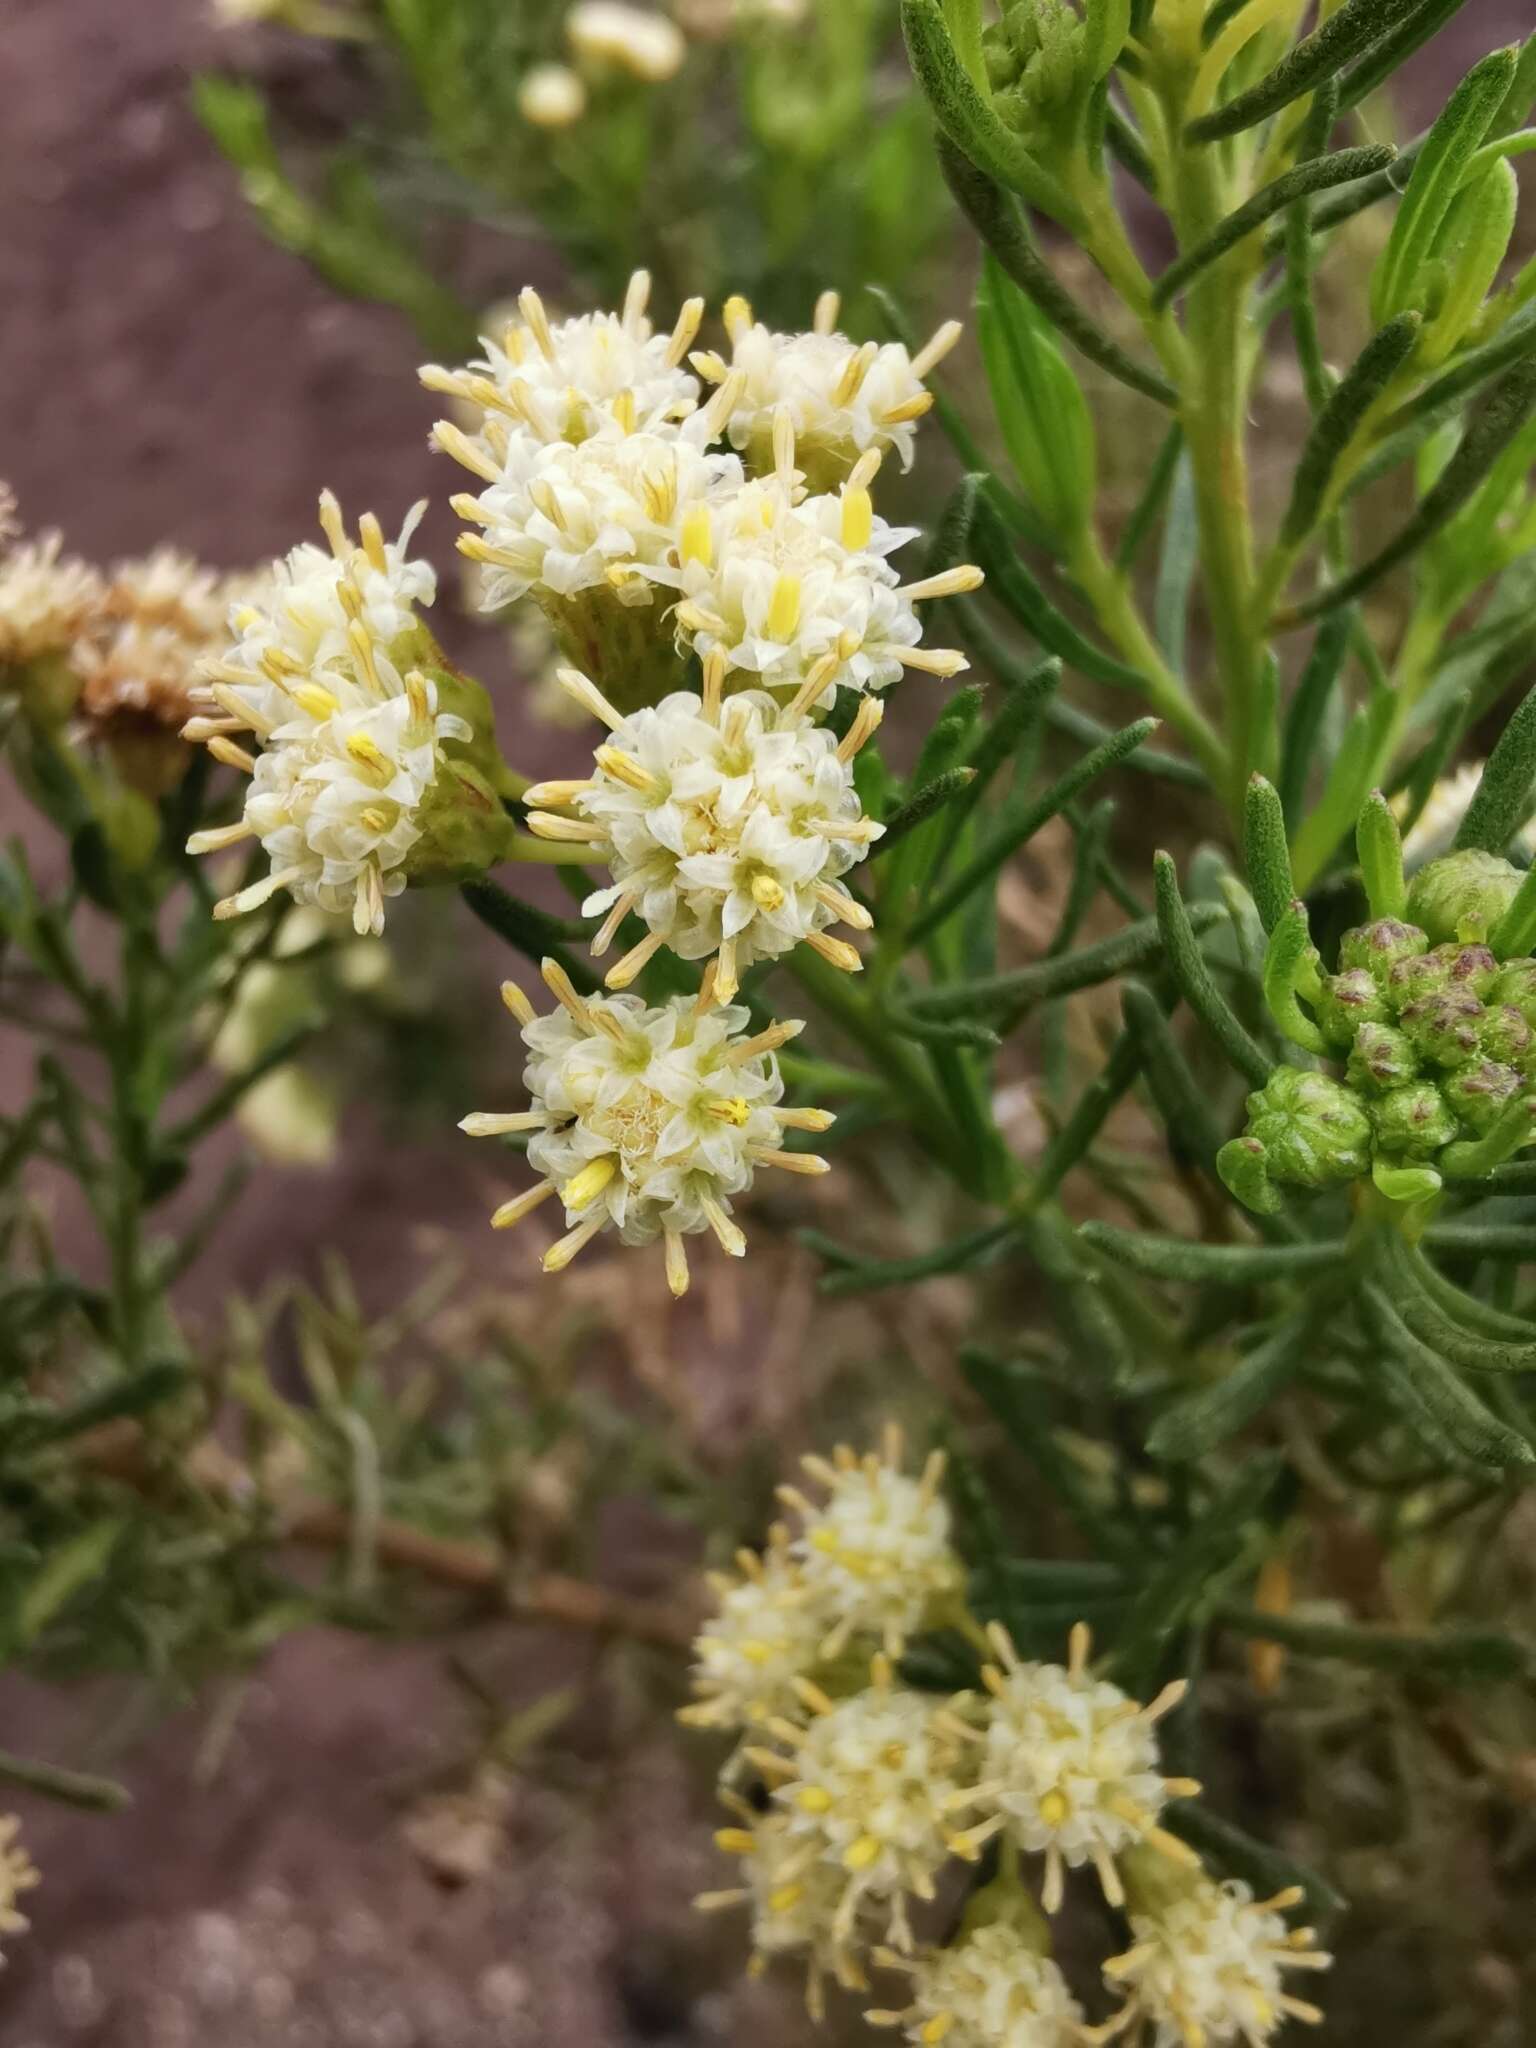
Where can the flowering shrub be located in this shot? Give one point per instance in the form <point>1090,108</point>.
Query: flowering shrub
<point>1240,1410</point>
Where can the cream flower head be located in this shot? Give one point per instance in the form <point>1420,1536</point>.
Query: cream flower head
<point>350,744</point>
<point>764,1635</point>
<point>877,1554</point>
<point>551,96</point>
<point>567,380</point>
<point>868,1790</point>
<point>782,585</point>
<point>842,398</point>
<point>989,1989</point>
<point>608,34</point>
<point>1069,1765</point>
<point>46,599</point>
<point>600,515</point>
<point>18,1874</point>
<point>726,825</point>
<point>793,1898</point>
<point>1206,1969</point>
<point>648,1120</point>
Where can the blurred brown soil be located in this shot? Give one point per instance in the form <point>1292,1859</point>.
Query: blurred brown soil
<point>166,374</point>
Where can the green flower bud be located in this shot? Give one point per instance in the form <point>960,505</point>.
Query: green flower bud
<point>1517,985</point>
<point>1507,1036</point>
<point>1463,895</point>
<point>1479,1092</point>
<point>464,829</point>
<point>1423,974</point>
<point>1413,1122</point>
<point>1378,945</point>
<point>1471,967</point>
<point>1313,1131</point>
<point>1348,1000</point>
<point>1381,1058</point>
<point>1445,1028</point>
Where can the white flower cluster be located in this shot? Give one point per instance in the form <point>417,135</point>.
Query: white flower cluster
<point>874,1563</point>
<point>1206,1968</point>
<point>46,597</point>
<point>650,1120</point>
<point>873,1788</point>
<point>350,732</point>
<point>18,1874</point>
<point>726,826</point>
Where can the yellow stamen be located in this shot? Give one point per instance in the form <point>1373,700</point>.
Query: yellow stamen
<point>314,699</point>
<point>531,306</point>
<point>855,370</point>
<point>697,541</point>
<point>836,952</point>
<point>455,442</point>
<point>936,348</point>
<point>767,893</point>
<point>858,520</point>
<point>564,1249</point>
<point>583,1188</point>
<point>368,755</point>
<point>824,319</point>
<point>784,607</point>
<point>677,1263</point>
<point>965,576</point>
<point>689,319</point>
<point>730,1109</point>
<point>517,1002</point>
<point>332,526</point>
<point>910,409</point>
<point>521,1205</point>
<point>626,769</point>
<point>624,971</point>
<point>736,315</point>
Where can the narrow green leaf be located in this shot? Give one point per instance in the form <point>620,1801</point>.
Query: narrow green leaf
<point>1113,1081</point>
<point>1335,427</point>
<point>1211,1416</point>
<point>1467,1656</point>
<point>1446,1404</point>
<point>1177,561</point>
<point>995,217</point>
<point>1438,170</point>
<point>1018,823</point>
<point>1317,174</point>
<point>1153,497</point>
<point>1309,706</point>
<point>1356,26</point>
<point>1440,399</point>
<point>865,1276</point>
<point>1266,854</point>
<point>70,1788</point>
<point>942,790</point>
<point>1498,419</point>
<point>1040,409</point>
<point>69,1569</point>
<point>1379,844</point>
<point>1195,981</point>
<point>1189,1122</point>
<point>1383,61</point>
<point>1290,962</point>
<point>130,1394</point>
<point>1202,1265</point>
<point>1511,1241</point>
<point>1502,800</point>
<point>1044,980</point>
<point>1419,1304</point>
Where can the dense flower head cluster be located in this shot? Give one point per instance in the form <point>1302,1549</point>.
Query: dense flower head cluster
<point>331,673</point>
<point>646,1119</point>
<point>18,1874</point>
<point>1436,1034</point>
<point>46,597</point>
<point>870,1792</point>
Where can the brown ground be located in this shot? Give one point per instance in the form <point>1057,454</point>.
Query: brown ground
<point>165,374</point>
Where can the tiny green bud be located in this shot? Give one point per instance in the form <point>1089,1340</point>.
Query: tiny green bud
<point>1445,1027</point>
<point>1313,1131</point>
<point>1422,974</point>
<point>1413,1122</point>
<point>1378,945</point>
<point>1463,895</point>
<point>1348,1000</point>
<point>1507,1035</point>
<point>1477,1094</point>
<point>1471,967</point>
<point>1381,1058</point>
<point>1517,985</point>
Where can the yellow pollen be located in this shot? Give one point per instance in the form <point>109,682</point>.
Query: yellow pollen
<point>367,754</point>
<point>737,315</point>
<point>730,1109</point>
<point>735,1841</point>
<point>784,609</point>
<point>767,893</point>
<point>1054,1809</point>
<point>698,540</point>
<point>858,520</point>
<point>860,1854</point>
<point>935,2029</point>
<point>624,411</point>
<point>785,1897</point>
<point>814,1799</point>
<point>314,699</point>
<point>585,1187</point>
<point>376,821</point>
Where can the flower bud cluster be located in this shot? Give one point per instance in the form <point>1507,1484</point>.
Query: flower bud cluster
<point>871,1792</point>
<point>1436,1036</point>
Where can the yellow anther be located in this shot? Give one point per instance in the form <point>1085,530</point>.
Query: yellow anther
<point>314,699</point>
<point>584,1188</point>
<point>1054,1809</point>
<point>934,2030</point>
<point>858,520</point>
<point>367,754</point>
<point>737,316</point>
<point>767,893</point>
<point>624,411</point>
<point>860,1854</point>
<point>814,1799</point>
<point>784,607</point>
<point>730,1109</point>
<point>372,537</point>
<point>785,1897</point>
<point>624,768</point>
<point>375,820</point>
<point>735,1841</point>
<point>697,543</point>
